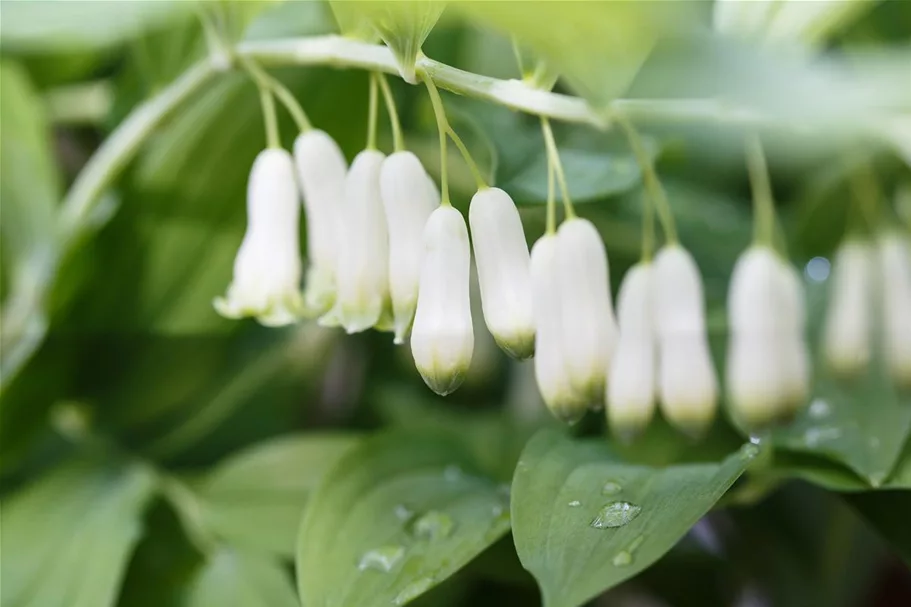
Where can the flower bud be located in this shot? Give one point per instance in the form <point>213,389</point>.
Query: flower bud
<point>267,269</point>
<point>501,256</point>
<point>895,264</point>
<point>551,371</point>
<point>321,169</point>
<point>757,381</point>
<point>847,330</point>
<point>631,386</point>
<point>408,200</point>
<point>362,277</point>
<point>687,384</point>
<point>442,338</point>
<point>589,327</point>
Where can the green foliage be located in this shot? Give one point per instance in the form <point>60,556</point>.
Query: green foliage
<point>153,453</point>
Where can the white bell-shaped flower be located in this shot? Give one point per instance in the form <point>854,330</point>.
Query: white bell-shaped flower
<point>267,269</point>
<point>631,386</point>
<point>895,264</point>
<point>321,170</point>
<point>501,256</point>
<point>442,337</point>
<point>687,384</point>
<point>589,326</point>
<point>551,371</point>
<point>795,352</point>
<point>848,325</point>
<point>408,200</point>
<point>362,277</point>
<point>757,377</point>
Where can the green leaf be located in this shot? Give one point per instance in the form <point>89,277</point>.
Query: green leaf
<point>584,520</point>
<point>30,189</point>
<point>403,26</point>
<point>352,21</point>
<point>38,27</point>
<point>397,516</point>
<point>580,39</point>
<point>236,579</point>
<point>256,497</point>
<point>72,533</point>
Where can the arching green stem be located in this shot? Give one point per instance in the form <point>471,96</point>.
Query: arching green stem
<point>551,200</point>
<point>398,140</point>
<point>652,184</point>
<point>269,117</point>
<point>443,128</point>
<point>554,159</point>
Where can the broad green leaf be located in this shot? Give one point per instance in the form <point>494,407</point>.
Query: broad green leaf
<point>398,515</point>
<point>256,497</point>
<point>580,38</point>
<point>231,578</point>
<point>819,471</point>
<point>42,26</point>
<point>29,189</point>
<point>584,520</point>
<point>72,533</point>
<point>403,26</point>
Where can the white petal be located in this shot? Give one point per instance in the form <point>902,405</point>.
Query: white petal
<point>688,385</point>
<point>550,364</point>
<point>895,264</point>
<point>632,378</point>
<point>442,338</point>
<point>589,326</point>
<point>755,378</point>
<point>795,352</point>
<point>687,382</point>
<point>501,256</point>
<point>321,170</point>
<point>407,202</point>
<point>267,269</point>
<point>847,331</point>
<point>363,270</point>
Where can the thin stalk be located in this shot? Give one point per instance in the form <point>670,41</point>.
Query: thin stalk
<point>270,118</point>
<point>866,194</point>
<point>517,52</point>
<point>371,115</point>
<point>443,127</point>
<point>763,203</point>
<point>551,199</point>
<point>648,228</point>
<point>475,171</point>
<point>397,138</point>
<point>554,158</point>
<point>652,184</point>
<point>284,96</point>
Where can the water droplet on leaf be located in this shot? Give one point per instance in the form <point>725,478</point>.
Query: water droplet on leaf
<point>382,559</point>
<point>610,488</point>
<point>625,557</point>
<point>574,504</point>
<point>615,514</point>
<point>813,436</point>
<point>433,525</point>
<point>819,409</point>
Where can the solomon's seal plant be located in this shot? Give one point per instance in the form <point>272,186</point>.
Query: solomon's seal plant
<point>565,289</point>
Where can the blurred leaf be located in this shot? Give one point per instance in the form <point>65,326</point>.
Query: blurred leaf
<point>235,579</point>
<point>584,520</point>
<point>813,23</point>
<point>403,26</point>
<point>398,515</point>
<point>30,189</point>
<point>40,27</point>
<point>256,497</point>
<point>72,533</point>
<point>818,470</point>
<point>580,38</point>
<point>353,21</point>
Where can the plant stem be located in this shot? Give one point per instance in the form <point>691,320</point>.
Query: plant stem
<point>443,128</point>
<point>652,184</point>
<point>371,115</point>
<point>285,96</point>
<point>397,138</point>
<point>763,203</point>
<point>554,159</point>
<point>551,199</point>
<point>271,120</point>
<point>648,228</point>
<point>475,171</point>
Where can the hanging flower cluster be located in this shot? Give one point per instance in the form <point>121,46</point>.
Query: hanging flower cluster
<point>387,250</point>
